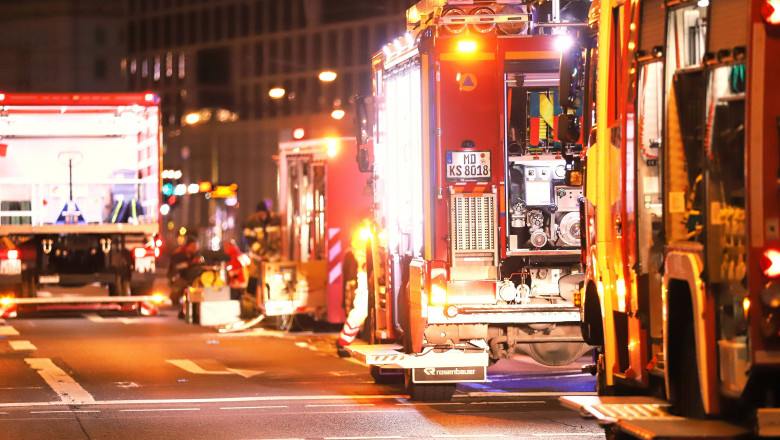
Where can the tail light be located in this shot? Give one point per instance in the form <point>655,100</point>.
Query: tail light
<point>770,12</point>
<point>12,254</point>
<point>770,262</point>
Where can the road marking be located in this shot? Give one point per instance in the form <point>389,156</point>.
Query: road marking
<point>22,345</point>
<point>363,438</point>
<point>254,407</point>
<point>159,409</point>
<point>569,434</point>
<point>94,317</point>
<point>467,435</point>
<point>342,404</point>
<point>191,367</point>
<point>512,402</point>
<point>214,400</point>
<point>8,330</point>
<point>527,394</point>
<point>59,381</point>
<point>74,411</point>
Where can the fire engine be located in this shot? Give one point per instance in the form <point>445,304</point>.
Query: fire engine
<point>323,203</point>
<point>475,248</point>
<point>681,232</point>
<point>79,201</point>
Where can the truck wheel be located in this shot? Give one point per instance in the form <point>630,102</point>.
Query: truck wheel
<point>285,322</point>
<point>120,287</point>
<point>428,392</point>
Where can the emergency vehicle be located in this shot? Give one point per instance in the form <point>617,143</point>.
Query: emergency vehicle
<point>681,226</point>
<point>475,248</point>
<point>323,201</point>
<point>79,201</point>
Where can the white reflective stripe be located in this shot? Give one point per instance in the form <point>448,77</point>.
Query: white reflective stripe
<point>334,251</point>
<point>334,273</point>
<point>332,232</point>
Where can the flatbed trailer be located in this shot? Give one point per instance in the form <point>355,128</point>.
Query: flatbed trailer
<point>146,305</point>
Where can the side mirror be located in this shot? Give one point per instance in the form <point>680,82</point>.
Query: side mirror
<point>571,80</point>
<point>569,128</point>
<point>364,119</point>
<point>364,131</point>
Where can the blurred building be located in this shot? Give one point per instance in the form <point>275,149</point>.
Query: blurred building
<point>221,57</point>
<point>62,45</point>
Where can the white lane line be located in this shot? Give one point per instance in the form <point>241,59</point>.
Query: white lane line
<point>215,400</point>
<point>94,317</point>
<point>68,389</point>
<point>8,330</point>
<point>22,345</point>
<point>159,409</point>
<point>74,411</point>
<point>342,404</point>
<point>526,394</point>
<point>569,434</point>
<point>512,402</point>
<point>363,438</point>
<point>191,367</point>
<point>254,407</point>
<point>467,435</point>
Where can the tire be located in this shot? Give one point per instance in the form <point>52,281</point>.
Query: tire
<point>284,323</point>
<point>428,392</point>
<point>592,327</point>
<point>685,395</point>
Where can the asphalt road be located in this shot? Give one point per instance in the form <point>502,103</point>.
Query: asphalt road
<point>93,376</point>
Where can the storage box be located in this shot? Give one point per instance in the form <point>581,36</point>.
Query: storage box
<point>734,364</point>
<point>219,312</point>
<point>201,294</point>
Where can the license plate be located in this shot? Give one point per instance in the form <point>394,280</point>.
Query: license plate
<point>468,165</point>
<point>144,264</point>
<point>10,267</point>
<point>49,279</point>
<point>449,374</point>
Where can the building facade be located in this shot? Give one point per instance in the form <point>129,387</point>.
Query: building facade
<point>212,56</point>
<point>66,46</point>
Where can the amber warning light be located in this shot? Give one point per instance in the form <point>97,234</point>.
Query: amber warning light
<point>770,12</point>
<point>770,263</point>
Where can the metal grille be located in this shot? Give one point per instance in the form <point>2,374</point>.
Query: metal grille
<point>473,220</point>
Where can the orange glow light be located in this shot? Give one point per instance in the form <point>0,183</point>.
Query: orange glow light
<point>770,263</point>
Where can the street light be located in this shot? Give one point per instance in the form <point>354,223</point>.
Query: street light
<point>327,76</point>
<point>276,93</point>
<point>337,114</point>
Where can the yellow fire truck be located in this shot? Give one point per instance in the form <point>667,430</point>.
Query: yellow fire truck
<point>681,218</point>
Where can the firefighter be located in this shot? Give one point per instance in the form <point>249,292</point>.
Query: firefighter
<point>184,268</point>
<point>355,294</point>
<point>237,268</point>
<point>263,244</point>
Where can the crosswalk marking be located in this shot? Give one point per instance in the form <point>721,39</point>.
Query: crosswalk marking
<point>7,330</point>
<point>22,345</point>
<point>191,367</point>
<point>66,388</point>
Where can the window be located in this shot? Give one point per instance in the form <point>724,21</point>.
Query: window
<point>273,57</point>
<point>219,23</point>
<point>167,31</point>
<point>131,37</point>
<point>259,58</point>
<point>232,24</point>
<point>273,16</point>
<point>180,29</point>
<point>244,17</point>
<point>99,68</point>
<point>287,59</point>
<point>100,36</point>
<point>316,51</point>
<point>204,25</point>
<point>192,33</point>
<point>259,16</point>
<point>182,66</point>
<point>157,68</point>
<point>169,64</point>
<point>302,53</point>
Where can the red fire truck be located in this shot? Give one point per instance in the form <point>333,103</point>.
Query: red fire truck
<point>475,248</point>
<point>79,201</point>
<point>681,226</point>
<point>323,201</point>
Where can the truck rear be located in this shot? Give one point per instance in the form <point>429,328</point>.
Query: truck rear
<point>79,199</point>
